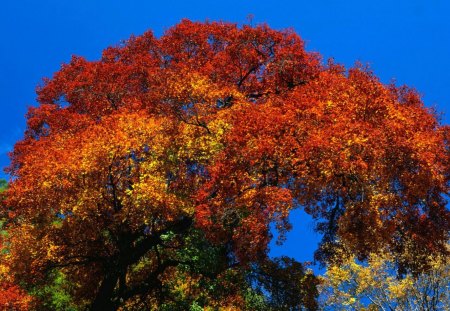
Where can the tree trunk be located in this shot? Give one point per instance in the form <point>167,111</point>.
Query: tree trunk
<point>103,300</point>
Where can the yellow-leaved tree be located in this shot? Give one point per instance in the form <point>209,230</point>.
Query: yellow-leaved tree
<point>378,285</point>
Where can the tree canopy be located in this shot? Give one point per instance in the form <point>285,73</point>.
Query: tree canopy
<point>150,178</point>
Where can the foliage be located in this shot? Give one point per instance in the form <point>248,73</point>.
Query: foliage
<point>135,168</point>
<point>55,295</point>
<point>285,285</point>
<point>376,285</point>
<point>12,296</point>
<point>3,185</point>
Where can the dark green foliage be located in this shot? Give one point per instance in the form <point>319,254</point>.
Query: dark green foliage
<point>285,285</point>
<point>3,185</point>
<point>55,295</point>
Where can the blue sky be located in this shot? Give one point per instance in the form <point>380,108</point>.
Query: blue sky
<point>405,40</point>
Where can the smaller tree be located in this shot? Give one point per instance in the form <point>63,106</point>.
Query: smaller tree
<point>377,285</point>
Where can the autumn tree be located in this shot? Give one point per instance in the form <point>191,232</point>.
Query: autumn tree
<point>376,285</point>
<point>171,149</point>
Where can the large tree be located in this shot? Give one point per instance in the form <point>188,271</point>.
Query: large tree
<point>170,149</point>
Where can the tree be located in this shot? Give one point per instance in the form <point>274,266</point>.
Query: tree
<point>212,133</point>
<point>377,286</point>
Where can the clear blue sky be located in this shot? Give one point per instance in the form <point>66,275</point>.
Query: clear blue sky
<point>405,40</point>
